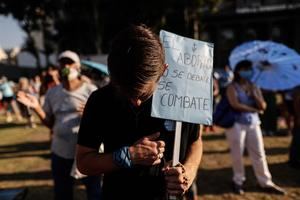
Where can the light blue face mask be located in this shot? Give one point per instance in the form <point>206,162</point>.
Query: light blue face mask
<point>246,74</point>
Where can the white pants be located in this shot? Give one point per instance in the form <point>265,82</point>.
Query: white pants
<point>250,136</point>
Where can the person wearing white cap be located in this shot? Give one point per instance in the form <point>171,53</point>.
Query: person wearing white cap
<point>62,113</point>
<point>70,66</point>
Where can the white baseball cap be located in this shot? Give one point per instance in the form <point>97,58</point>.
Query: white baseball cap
<point>71,55</point>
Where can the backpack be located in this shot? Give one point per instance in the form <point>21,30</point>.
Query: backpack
<point>224,115</point>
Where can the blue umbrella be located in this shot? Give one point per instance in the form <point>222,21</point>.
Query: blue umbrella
<point>95,65</point>
<point>276,67</point>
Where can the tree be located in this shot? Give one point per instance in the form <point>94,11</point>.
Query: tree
<point>88,26</point>
<point>178,16</point>
<point>77,26</point>
<point>35,18</point>
<point>56,25</point>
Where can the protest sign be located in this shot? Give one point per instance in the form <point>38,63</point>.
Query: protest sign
<point>184,92</point>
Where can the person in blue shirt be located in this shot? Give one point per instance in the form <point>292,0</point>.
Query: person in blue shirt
<point>247,100</point>
<point>8,101</point>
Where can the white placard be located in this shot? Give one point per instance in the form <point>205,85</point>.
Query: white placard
<point>184,92</point>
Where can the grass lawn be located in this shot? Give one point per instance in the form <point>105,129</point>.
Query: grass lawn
<point>24,163</point>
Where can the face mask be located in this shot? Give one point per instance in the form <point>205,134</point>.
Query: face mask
<point>247,74</point>
<point>69,73</point>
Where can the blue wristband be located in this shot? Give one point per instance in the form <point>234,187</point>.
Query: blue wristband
<point>121,157</point>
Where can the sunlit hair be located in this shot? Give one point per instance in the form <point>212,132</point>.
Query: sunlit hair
<point>242,65</point>
<point>23,83</point>
<point>136,59</point>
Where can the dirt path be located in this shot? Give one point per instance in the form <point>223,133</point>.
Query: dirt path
<point>215,173</point>
<point>24,163</point>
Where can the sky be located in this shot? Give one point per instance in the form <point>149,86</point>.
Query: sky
<point>11,34</point>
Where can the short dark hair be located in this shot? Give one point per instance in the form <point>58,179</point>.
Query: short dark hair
<point>135,59</point>
<point>243,64</point>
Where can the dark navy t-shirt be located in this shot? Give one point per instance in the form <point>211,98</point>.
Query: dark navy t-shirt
<point>113,121</point>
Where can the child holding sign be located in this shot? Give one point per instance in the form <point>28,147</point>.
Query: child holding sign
<point>137,146</point>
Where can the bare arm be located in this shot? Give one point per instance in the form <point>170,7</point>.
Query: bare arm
<point>216,89</point>
<point>259,99</point>
<point>90,162</point>
<point>32,102</point>
<point>194,157</point>
<point>234,102</point>
<point>144,152</point>
<point>178,178</point>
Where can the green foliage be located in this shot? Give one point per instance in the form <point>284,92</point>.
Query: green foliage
<point>86,26</point>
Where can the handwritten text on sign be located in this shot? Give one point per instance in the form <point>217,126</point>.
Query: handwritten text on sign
<point>184,92</point>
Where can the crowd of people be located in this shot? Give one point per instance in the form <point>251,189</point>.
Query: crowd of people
<point>36,86</point>
<point>61,112</point>
<point>137,153</point>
